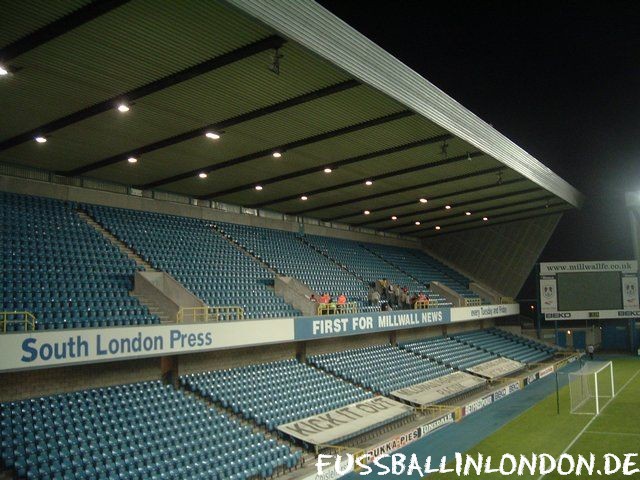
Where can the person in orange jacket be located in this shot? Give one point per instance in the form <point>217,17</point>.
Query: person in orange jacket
<point>342,299</point>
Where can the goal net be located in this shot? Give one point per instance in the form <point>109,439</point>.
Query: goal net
<point>591,388</point>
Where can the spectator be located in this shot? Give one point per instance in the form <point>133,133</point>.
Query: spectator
<point>342,299</point>
<point>375,298</point>
<point>590,350</point>
<point>413,300</point>
<point>325,298</point>
<point>391,297</point>
<point>313,298</point>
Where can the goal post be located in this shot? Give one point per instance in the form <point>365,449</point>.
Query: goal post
<point>591,388</point>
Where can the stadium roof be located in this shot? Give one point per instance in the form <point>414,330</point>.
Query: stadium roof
<point>267,76</point>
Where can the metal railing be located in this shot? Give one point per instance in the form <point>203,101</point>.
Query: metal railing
<point>336,308</point>
<point>441,409</point>
<point>23,318</point>
<point>210,314</point>
<point>472,301</point>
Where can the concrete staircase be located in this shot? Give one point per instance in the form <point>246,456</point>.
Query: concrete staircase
<point>232,241</point>
<point>116,241</point>
<point>153,307</point>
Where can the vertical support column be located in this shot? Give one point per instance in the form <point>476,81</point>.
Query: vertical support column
<point>301,352</point>
<point>169,370</point>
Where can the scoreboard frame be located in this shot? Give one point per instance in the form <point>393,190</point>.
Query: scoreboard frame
<point>548,289</point>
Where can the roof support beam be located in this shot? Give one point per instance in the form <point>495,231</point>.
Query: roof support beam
<point>457,205</point>
<point>334,165</point>
<point>59,27</point>
<point>488,213</point>
<point>374,178</point>
<point>556,211</point>
<point>219,126</point>
<point>287,146</point>
<point>403,189</point>
<point>143,91</point>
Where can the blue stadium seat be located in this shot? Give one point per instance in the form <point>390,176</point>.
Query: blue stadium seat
<point>137,431</point>
<point>58,267</point>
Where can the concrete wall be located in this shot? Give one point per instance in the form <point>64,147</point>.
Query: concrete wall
<point>318,347</point>
<point>36,383</point>
<point>222,359</point>
<point>499,256</point>
<point>120,200</point>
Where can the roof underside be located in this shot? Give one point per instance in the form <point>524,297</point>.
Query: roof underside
<point>190,68</point>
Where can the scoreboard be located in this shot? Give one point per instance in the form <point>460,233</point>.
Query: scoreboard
<point>589,290</point>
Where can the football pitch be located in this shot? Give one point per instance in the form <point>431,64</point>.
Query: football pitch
<point>541,430</point>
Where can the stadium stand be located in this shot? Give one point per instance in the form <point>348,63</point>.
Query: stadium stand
<point>449,352</point>
<point>510,346</point>
<point>274,393</point>
<point>381,368</point>
<point>142,430</point>
<point>422,267</point>
<point>368,266</point>
<point>60,269</point>
<point>194,254</point>
<point>288,255</point>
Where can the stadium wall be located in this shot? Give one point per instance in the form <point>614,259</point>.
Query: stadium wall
<point>500,256</point>
<point>223,359</point>
<point>47,381</point>
<point>50,381</point>
<point>167,206</point>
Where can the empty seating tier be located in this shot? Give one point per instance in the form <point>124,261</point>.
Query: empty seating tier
<point>202,260</point>
<point>59,268</point>
<point>516,348</point>
<point>368,266</point>
<point>287,254</point>
<point>137,431</point>
<point>381,368</point>
<point>448,351</point>
<point>423,268</point>
<point>274,393</point>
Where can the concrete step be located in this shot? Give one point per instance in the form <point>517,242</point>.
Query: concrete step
<point>115,241</point>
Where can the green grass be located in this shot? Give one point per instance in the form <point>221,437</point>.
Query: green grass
<point>541,430</point>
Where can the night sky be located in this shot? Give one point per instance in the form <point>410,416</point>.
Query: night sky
<point>562,80</point>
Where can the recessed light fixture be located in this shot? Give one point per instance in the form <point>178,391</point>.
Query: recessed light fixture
<point>3,70</point>
<point>276,154</point>
<point>366,212</point>
<point>123,107</point>
<point>447,207</point>
<point>304,198</point>
<point>41,139</point>
<point>394,218</point>
<point>423,200</point>
<point>368,183</point>
<point>132,160</point>
<point>202,174</point>
<point>485,219</point>
<point>327,170</point>
<point>212,135</point>
<point>417,223</point>
<point>437,227</point>
<point>467,213</point>
<point>258,187</point>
